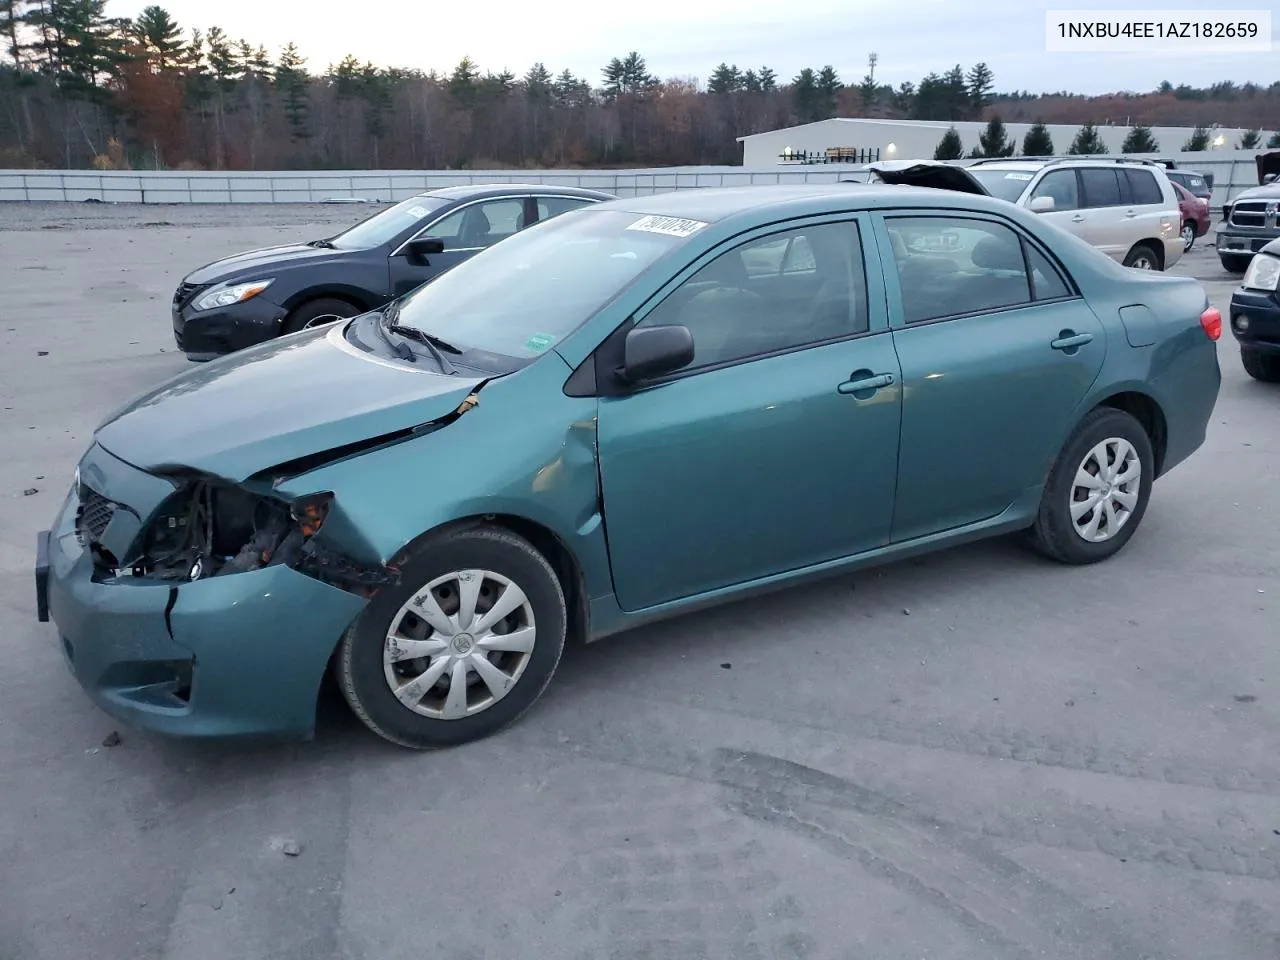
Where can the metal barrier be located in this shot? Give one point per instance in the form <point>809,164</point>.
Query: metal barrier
<point>1232,171</point>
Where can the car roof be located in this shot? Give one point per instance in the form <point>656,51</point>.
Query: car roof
<point>472,191</point>
<point>765,203</point>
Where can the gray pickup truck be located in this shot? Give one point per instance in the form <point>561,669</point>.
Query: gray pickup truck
<point>1252,220</point>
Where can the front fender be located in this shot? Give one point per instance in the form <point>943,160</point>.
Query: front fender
<point>524,450</point>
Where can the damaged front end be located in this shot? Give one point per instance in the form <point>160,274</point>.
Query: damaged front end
<point>212,528</point>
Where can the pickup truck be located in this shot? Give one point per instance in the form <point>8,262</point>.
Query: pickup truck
<point>1252,220</point>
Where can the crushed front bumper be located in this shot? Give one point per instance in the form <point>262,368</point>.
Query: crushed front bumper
<point>242,654</point>
<point>207,334</point>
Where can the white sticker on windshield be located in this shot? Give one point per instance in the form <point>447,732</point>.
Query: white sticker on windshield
<point>1018,176</point>
<point>671,226</point>
<point>417,212</point>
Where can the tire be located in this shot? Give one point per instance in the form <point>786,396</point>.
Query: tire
<point>1261,366</point>
<point>1235,262</point>
<point>1188,236</point>
<point>365,673</point>
<point>1055,533</point>
<point>305,315</point>
<point>1143,256</point>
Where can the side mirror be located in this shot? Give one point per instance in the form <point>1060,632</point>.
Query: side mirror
<point>419,250</point>
<point>1042,205</point>
<point>650,352</point>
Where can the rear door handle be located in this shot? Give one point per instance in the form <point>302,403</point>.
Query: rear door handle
<point>1131,213</point>
<point>863,382</point>
<point>1069,341</point>
<point>1077,219</point>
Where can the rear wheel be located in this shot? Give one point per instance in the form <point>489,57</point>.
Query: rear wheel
<point>1261,366</point>
<point>1188,236</point>
<point>315,313</point>
<point>462,647</point>
<point>1235,262</point>
<point>1143,257</point>
<point>1097,491</point>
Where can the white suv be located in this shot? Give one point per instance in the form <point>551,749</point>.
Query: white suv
<point>1128,209</point>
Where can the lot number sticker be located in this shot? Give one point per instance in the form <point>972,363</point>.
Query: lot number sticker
<point>539,342</point>
<point>670,226</point>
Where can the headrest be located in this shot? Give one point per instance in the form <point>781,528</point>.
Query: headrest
<point>998,253</point>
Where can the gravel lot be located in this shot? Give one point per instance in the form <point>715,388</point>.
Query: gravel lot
<point>974,755</point>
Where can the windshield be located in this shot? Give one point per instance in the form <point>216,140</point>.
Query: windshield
<point>386,225</point>
<point>523,295</point>
<point>1003,184</point>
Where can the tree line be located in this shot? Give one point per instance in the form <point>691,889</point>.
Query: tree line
<point>81,88</point>
<point>1037,142</point>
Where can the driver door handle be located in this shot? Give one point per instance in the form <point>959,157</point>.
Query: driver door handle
<point>1067,340</point>
<point>1077,219</point>
<point>863,381</point>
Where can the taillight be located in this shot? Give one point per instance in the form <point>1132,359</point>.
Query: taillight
<point>1211,321</point>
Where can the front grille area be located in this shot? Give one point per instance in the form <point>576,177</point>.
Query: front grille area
<point>92,517</point>
<point>1249,213</point>
<point>182,296</point>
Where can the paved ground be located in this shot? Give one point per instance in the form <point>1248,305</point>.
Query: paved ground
<point>1032,762</point>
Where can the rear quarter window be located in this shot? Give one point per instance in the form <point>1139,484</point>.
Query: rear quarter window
<point>1143,187</point>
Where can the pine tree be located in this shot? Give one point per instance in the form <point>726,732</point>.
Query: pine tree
<point>867,89</point>
<point>1140,140</point>
<point>956,94</point>
<point>292,81</point>
<point>980,82</point>
<point>829,87</point>
<point>1198,141</point>
<point>159,35</point>
<point>1250,139</point>
<point>1037,142</point>
<point>725,79</point>
<point>806,98</point>
<point>949,147</point>
<point>1087,141</point>
<point>994,142</point>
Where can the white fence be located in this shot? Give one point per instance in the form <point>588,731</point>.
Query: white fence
<point>1233,171</point>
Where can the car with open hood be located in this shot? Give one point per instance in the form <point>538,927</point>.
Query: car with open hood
<point>1252,220</point>
<point>633,410</point>
<point>1128,209</point>
<point>245,299</point>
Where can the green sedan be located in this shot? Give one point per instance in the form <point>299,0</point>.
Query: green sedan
<point>625,413</point>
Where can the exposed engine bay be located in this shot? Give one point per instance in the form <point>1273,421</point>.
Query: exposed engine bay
<point>212,528</point>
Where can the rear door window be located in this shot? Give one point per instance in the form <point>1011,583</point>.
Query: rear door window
<point>1101,187</point>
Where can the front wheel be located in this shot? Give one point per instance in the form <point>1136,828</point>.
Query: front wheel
<point>1097,491</point>
<point>1261,366</point>
<point>315,313</point>
<point>462,647</point>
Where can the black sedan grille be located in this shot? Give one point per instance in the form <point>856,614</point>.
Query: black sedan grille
<point>92,517</point>
<point>182,296</point>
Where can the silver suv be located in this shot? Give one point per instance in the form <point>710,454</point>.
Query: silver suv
<point>1128,209</point>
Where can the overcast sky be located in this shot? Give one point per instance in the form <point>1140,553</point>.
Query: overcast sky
<point>689,37</point>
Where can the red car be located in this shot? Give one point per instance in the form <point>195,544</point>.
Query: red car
<point>1194,213</point>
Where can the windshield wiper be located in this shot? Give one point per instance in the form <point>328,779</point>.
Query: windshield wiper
<point>323,244</point>
<point>402,349</point>
<point>431,343</point>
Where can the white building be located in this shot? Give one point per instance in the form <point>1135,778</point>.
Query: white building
<point>917,139</point>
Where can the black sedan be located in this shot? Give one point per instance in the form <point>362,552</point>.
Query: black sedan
<point>1255,315</point>
<point>256,296</point>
